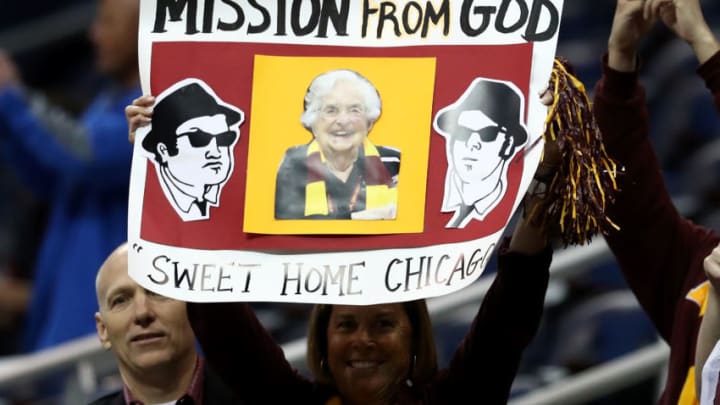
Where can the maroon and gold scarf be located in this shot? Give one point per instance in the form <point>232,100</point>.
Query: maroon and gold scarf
<point>378,182</point>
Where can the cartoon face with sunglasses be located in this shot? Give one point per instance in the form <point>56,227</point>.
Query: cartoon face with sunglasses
<point>483,130</point>
<point>192,138</point>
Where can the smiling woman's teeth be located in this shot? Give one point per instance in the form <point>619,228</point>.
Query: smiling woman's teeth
<point>363,364</point>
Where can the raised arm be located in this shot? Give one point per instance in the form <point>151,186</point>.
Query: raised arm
<point>659,252</point>
<point>510,313</point>
<point>508,318</point>
<point>243,354</point>
<point>685,18</point>
<point>629,27</point>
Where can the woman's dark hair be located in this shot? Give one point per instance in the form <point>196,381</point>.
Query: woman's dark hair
<point>423,352</point>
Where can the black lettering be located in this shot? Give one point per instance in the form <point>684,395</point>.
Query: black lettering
<point>484,11</point>
<point>474,263</point>
<point>531,31</point>
<point>265,24</point>
<point>176,8</point>
<point>427,271</point>
<point>409,273</point>
<point>319,283</point>
<point>411,19</point>
<point>502,15</point>
<point>281,18</point>
<point>155,266</point>
<point>334,279</point>
<point>323,278</point>
<point>412,6</point>
<point>185,274</point>
<point>367,11</point>
<point>205,276</point>
<point>297,28</point>
<point>387,12</point>
<point>248,275</point>
<point>239,20</point>
<point>431,15</point>
<point>222,277</point>
<point>287,279</point>
<point>339,18</point>
<point>387,275</point>
<point>208,16</point>
<point>352,277</point>
<point>459,267</point>
<point>437,269</point>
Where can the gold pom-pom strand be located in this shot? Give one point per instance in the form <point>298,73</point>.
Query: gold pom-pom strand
<point>582,182</point>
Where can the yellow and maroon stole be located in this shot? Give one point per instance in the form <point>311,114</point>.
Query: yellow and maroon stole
<point>378,182</point>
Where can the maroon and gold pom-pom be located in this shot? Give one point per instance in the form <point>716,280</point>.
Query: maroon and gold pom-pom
<point>581,182</point>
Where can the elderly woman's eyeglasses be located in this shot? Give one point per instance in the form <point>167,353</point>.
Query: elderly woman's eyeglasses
<point>200,139</point>
<point>332,111</point>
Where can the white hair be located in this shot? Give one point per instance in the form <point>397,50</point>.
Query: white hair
<point>324,83</point>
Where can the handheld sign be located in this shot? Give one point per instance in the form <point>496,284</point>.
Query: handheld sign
<point>334,151</point>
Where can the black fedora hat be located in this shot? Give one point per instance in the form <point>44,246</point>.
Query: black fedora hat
<point>188,101</point>
<point>497,100</point>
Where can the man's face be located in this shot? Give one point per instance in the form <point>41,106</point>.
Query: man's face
<point>204,156</point>
<point>341,125</point>
<point>145,330</point>
<point>475,147</point>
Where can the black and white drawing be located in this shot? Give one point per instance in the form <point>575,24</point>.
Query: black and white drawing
<point>483,130</point>
<point>191,140</point>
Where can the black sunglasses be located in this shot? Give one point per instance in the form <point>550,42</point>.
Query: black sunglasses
<point>199,138</point>
<point>487,134</point>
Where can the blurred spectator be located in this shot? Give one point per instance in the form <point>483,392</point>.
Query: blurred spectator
<point>81,168</point>
<point>21,220</point>
<point>24,11</point>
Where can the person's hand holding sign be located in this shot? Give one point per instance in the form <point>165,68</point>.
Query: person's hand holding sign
<point>8,70</point>
<point>139,114</point>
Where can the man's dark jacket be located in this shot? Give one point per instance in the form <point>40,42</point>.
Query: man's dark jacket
<point>214,393</point>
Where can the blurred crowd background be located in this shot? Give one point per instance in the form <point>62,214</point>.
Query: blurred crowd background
<point>589,319</point>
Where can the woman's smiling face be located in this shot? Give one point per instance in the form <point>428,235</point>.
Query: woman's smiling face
<point>369,350</point>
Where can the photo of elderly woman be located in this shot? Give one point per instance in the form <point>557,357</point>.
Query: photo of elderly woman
<point>340,173</point>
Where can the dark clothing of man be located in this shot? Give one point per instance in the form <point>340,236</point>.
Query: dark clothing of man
<point>210,391</point>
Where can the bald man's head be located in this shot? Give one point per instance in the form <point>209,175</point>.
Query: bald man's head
<point>147,332</point>
<point>115,265</point>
